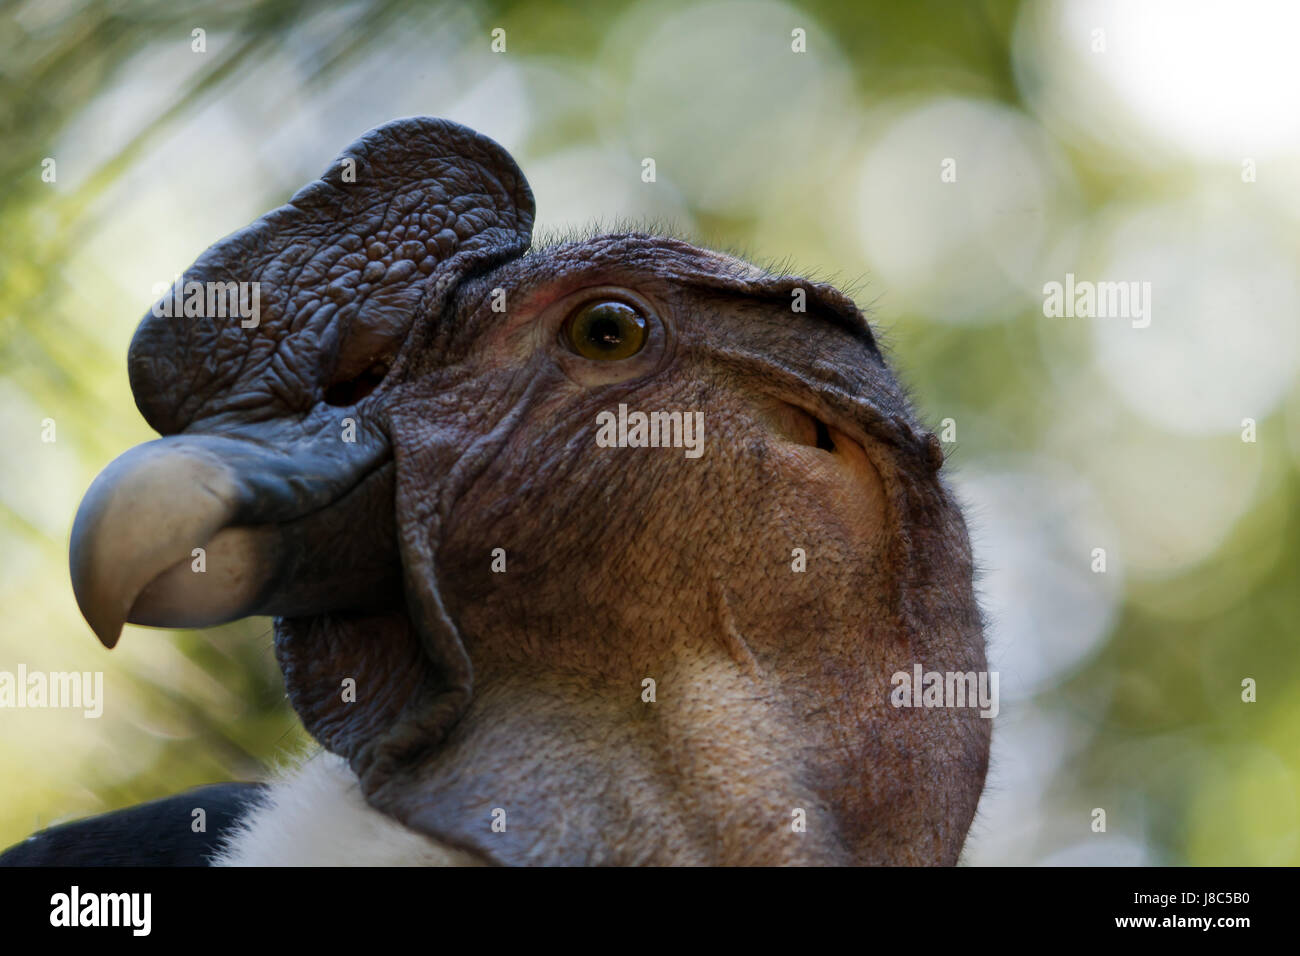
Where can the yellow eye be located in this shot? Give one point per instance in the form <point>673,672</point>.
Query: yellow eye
<point>606,330</point>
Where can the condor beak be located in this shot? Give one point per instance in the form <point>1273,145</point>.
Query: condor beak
<point>196,530</point>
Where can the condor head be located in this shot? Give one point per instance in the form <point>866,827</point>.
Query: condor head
<point>640,655</point>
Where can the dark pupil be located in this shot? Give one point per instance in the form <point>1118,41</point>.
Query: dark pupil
<point>604,330</point>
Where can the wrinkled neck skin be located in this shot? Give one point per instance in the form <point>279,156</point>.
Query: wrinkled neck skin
<point>701,776</point>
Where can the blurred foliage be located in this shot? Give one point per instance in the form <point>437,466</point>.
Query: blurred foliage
<point>1145,721</point>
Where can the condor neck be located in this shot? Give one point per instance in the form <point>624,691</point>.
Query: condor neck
<point>549,770</point>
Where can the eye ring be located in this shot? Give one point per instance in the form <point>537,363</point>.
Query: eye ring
<point>605,330</point>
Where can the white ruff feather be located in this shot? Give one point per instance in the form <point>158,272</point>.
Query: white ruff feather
<point>315,816</point>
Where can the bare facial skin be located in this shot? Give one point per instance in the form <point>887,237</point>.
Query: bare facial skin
<point>409,304</point>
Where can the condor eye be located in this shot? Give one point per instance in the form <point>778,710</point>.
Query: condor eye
<point>605,330</point>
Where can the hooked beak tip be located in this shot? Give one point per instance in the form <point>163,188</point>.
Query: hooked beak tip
<point>108,634</point>
<point>98,601</point>
<point>142,514</point>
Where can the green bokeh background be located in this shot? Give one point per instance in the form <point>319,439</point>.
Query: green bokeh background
<point>1121,691</point>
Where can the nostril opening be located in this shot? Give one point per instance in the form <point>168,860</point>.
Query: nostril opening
<point>824,440</point>
<point>343,394</point>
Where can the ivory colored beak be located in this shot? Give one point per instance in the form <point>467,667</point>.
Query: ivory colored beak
<point>132,552</point>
